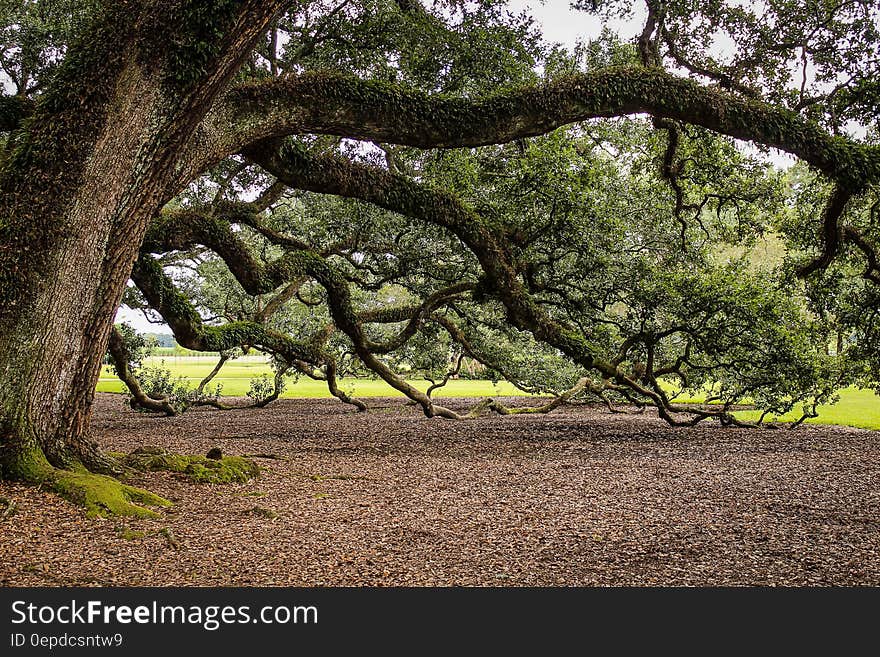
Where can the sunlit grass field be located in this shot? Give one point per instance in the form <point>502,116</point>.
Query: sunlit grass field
<point>236,375</point>
<point>856,408</point>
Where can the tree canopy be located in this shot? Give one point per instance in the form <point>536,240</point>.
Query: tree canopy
<point>393,187</point>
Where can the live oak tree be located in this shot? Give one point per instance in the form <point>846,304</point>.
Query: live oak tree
<point>671,311</point>
<point>142,135</point>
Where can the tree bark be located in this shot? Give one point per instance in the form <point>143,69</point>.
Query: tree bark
<point>51,347</point>
<point>97,160</point>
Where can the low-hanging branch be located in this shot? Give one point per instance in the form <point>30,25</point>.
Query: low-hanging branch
<point>450,373</point>
<point>458,336</point>
<point>183,229</point>
<point>121,359</point>
<point>501,272</point>
<point>198,397</point>
<point>598,389</point>
<point>559,400</point>
<point>190,331</point>
<point>501,276</point>
<point>186,229</point>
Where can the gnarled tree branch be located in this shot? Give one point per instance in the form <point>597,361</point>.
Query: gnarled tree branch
<point>328,103</point>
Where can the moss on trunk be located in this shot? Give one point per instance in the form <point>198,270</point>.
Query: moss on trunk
<point>22,459</point>
<point>22,463</point>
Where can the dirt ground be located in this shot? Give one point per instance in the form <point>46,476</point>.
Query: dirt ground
<point>579,497</point>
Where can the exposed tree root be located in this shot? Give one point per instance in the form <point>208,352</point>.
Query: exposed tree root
<point>199,469</point>
<point>106,496</point>
<point>102,495</point>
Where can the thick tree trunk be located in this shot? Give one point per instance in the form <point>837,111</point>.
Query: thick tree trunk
<point>79,186</point>
<point>51,349</point>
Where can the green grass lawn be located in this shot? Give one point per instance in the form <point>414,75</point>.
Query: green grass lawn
<point>856,408</point>
<point>236,375</point>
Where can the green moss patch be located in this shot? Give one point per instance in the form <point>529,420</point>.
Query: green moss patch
<point>130,534</point>
<point>104,496</point>
<point>200,469</point>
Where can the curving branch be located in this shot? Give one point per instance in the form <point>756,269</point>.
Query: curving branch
<point>724,80</point>
<point>333,175</point>
<point>458,336</point>
<point>831,232</point>
<point>647,42</point>
<point>198,398</point>
<point>345,318</point>
<point>413,316</point>
<point>192,333</point>
<point>139,399</point>
<point>872,266</point>
<point>671,170</point>
<point>184,229</point>
<point>330,103</point>
<point>274,304</point>
<point>436,385</point>
<point>501,279</point>
<point>277,387</point>
<point>560,400</point>
<point>336,391</point>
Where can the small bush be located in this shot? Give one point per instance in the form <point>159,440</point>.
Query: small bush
<point>159,382</point>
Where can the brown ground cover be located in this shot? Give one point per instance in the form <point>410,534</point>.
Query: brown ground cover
<point>579,497</point>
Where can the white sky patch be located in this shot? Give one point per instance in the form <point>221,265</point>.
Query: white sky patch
<point>562,24</point>
<point>136,319</point>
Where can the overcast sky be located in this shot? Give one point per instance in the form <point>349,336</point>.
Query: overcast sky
<point>563,24</point>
